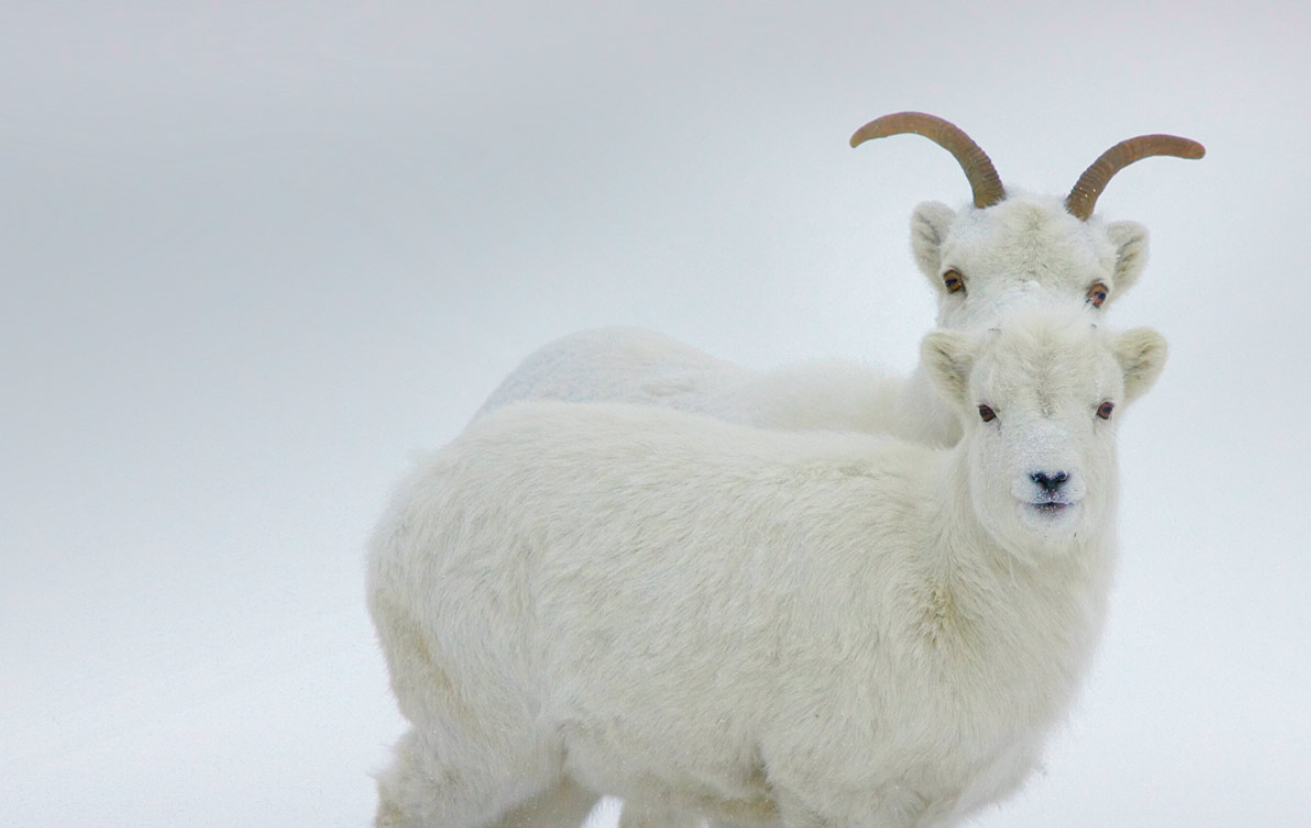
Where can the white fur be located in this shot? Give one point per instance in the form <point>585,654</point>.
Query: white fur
<point>639,366</point>
<point>1025,248</point>
<point>784,629</point>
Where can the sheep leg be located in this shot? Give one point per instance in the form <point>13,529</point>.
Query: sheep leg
<point>650,814</point>
<point>892,807</point>
<point>565,805</point>
<point>420,790</point>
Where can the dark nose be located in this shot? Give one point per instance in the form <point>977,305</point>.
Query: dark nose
<point>1049,482</point>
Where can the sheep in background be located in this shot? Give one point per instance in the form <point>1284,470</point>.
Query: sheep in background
<point>1002,246</point>
<point>771,628</point>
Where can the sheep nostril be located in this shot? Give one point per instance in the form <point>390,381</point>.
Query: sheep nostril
<point>1049,482</point>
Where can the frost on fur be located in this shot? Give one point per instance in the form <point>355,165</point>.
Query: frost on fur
<point>757,626</point>
<point>1001,248</point>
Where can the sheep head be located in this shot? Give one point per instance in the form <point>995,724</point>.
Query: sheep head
<point>1038,398</point>
<point>1006,243</point>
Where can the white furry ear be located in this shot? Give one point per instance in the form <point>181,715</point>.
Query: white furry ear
<point>928,230</point>
<point>1130,240</point>
<point>1141,353</point>
<point>948,356</point>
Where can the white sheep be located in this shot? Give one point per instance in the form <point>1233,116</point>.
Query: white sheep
<point>767,627</point>
<point>1001,246</point>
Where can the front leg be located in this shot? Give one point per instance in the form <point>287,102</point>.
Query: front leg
<point>656,813</point>
<point>890,806</point>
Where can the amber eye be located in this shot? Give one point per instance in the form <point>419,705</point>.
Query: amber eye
<point>1097,294</point>
<point>987,414</point>
<point>954,282</point>
<point>1104,410</point>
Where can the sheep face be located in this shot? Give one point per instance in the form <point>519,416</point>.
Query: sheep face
<point>981,260</point>
<point>1039,398</point>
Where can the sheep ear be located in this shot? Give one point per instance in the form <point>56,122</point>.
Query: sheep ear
<point>1141,353</point>
<point>1130,240</point>
<point>949,357</point>
<point>928,230</point>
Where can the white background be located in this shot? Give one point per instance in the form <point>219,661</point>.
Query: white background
<point>255,256</point>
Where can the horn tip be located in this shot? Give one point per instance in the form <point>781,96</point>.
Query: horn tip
<point>1187,147</point>
<point>868,131</point>
<point>1184,147</point>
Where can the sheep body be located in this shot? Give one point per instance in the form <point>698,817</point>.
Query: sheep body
<point>1025,249</point>
<point>764,627</point>
<point>639,366</point>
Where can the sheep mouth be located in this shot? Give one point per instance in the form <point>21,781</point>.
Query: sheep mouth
<point>1049,508</point>
<point>1049,511</point>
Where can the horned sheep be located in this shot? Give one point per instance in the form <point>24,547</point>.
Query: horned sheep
<point>1001,247</point>
<point>773,628</point>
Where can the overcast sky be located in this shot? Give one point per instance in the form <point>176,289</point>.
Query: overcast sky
<point>255,256</point>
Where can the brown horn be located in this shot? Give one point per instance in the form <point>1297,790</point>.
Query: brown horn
<point>978,167</point>
<point>1083,197</point>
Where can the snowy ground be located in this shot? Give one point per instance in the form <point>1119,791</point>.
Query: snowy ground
<point>254,256</point>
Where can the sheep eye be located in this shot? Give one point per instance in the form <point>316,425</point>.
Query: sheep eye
<point>1097,294</point>
<point>1104,410</point>
<point>954,282</point>
<point>988,415</point>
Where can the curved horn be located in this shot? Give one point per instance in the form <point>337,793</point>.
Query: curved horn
<point>978,167</point>
<point>1083,197</point>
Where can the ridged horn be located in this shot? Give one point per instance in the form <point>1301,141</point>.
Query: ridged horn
<point>1083,198</point>
<point>978,168</point>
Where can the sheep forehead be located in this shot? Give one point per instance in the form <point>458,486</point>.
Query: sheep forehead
<point>1047,359</point>
<point>1028,238</point>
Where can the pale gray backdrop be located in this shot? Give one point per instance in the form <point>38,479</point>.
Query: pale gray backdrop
<point>256,255</point>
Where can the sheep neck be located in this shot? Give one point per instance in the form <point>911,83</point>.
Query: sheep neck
<point>921,414</point>
<point>984,609</point>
